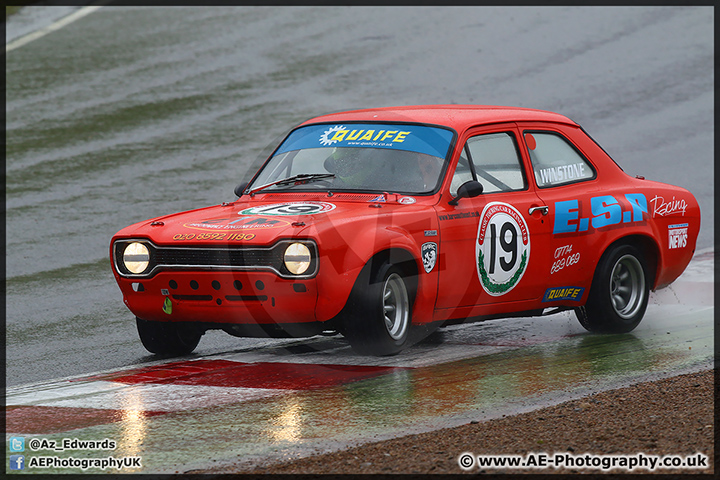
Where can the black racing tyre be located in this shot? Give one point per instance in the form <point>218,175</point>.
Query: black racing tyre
<point>619,293</point>
<point>168,338</point>
<point>379,320</point>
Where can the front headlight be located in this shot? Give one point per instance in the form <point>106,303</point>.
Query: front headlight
<point>297,258</point>
<point>136,257</point>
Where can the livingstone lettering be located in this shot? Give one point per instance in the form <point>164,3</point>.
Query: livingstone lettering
<point>562,173</point>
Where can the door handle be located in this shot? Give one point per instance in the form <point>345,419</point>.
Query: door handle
<point>544,209</point>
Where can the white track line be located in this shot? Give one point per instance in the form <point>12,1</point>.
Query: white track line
<point>63,22</point>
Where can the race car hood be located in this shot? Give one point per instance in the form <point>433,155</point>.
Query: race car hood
<point>262,221</point>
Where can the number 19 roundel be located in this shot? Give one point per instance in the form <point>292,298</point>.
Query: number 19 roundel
<point>502,249</point>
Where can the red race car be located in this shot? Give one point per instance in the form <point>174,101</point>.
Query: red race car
<point>385,224</point>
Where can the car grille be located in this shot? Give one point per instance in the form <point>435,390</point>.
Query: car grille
<point>172,257</point>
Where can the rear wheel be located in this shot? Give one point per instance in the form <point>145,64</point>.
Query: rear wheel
<point>167,338</point>
<point>619,293</point>
<point>379,319</point>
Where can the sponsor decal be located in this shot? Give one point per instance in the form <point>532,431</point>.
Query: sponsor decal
<point>428,252</point>
<point>229,225</point>
<point>379,198</point>
<point>167,306</point>
<point>458,216</point>
<point>665,208</point>
<point>563,293</point>
<point>502,249</point>
<point>431,233</point>
<point>606,211</point>
<point>562,173</point>
<point>339,133</point>
<point>406,200</point>
<point>414,138</point>
<point>291,208</point>
<point>564,257</point>
<point>677,235</point>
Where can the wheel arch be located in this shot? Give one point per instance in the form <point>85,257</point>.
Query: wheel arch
<point>649,249</point>
<point>399,257</point>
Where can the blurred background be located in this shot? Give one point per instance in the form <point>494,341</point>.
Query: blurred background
<point>118,114</point>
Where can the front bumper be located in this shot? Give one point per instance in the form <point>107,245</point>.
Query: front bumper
<point>221,297</point>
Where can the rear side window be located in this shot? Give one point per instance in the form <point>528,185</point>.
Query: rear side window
<point>555,161</point>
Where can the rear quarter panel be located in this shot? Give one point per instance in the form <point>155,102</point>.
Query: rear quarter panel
<point>588,217</point>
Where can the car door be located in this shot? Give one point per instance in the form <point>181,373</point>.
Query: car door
<point>566,181</point>
<point>489,242</point>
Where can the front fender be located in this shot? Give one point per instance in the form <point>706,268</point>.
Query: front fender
<point>343,260</point>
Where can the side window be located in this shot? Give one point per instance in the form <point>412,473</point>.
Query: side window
<point>493,160</point>
<point>556,162</point>
<point>496,162</point>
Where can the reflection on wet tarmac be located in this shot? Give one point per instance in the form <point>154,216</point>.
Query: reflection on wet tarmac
<point>172,110</point>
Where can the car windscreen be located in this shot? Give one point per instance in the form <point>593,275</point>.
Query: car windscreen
<point>375,157</point>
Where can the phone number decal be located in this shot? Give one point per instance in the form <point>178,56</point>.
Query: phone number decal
<point>214,236</point>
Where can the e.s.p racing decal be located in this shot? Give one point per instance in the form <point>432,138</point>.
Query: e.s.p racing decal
<point>502,249</point>
<point>605,211</point>
<point>290,208</point>
<point>670,208</point>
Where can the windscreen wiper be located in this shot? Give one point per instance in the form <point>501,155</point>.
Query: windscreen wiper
<point>299,179</point>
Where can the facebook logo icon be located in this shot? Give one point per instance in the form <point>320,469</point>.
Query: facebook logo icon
<point>17,462</point>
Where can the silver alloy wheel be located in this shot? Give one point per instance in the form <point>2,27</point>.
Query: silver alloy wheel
<point>627,286</point>
<point>396,306</point>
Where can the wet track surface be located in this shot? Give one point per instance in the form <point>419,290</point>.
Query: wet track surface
<point>292,398</point>
<point>174,108</point>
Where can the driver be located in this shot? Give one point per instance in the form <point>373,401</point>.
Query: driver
<point>355,166</point>
<point>429,169</point>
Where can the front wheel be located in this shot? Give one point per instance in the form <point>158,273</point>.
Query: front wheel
<point>619,292</point>
<point>168,338</point>
<point>380,317</point>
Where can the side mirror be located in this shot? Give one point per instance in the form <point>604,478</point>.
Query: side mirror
<point>240,189</point>
<point>469,189</point>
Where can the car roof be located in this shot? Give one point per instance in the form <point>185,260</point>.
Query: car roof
<point>458,117</point>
